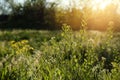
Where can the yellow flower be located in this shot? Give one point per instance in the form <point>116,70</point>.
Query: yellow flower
<point>21,46</point>
<point>24,41</point>
<point>12,42</point>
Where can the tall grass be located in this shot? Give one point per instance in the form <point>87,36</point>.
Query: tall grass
<point>80,55</point>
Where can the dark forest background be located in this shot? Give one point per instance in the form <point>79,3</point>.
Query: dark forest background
<point>40,14</point>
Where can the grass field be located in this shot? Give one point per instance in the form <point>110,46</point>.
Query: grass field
<point>59,55</point>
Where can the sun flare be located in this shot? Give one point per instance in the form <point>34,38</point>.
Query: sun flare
<point>100,4</point>
<point>95,4</point>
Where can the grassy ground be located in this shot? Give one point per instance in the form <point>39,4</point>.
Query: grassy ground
<point>59,55</point>
<point>35,37</point>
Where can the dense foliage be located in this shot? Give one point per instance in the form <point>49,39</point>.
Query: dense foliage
<point>40,14</point>
<point>62,55</point>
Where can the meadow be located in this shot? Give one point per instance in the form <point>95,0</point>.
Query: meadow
<point>59,55</point>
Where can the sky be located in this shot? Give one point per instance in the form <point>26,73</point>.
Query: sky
<point>96,4</point>
<point>64,3</point>
<point>20,1</point>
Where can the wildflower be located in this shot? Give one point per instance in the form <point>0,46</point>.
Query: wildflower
<point>24,41</point>
<point>12,42</point>
<point>21,46</point>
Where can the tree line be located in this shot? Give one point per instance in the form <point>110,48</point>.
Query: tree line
<point>40,14</point>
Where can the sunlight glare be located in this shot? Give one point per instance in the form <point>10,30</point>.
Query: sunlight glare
<point>100,4</point>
